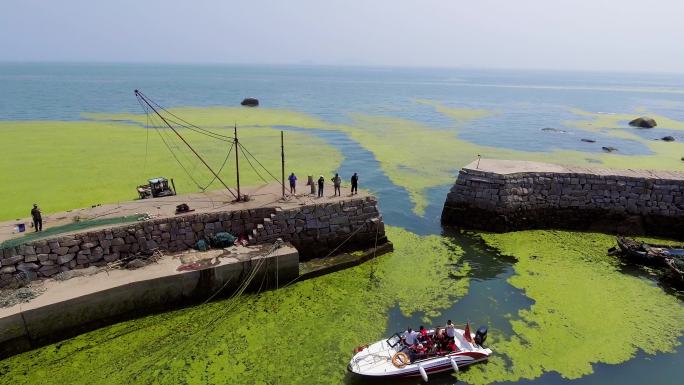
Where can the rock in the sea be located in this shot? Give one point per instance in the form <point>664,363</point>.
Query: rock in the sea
<point>643,122</point>
<point>668,138</point>
<point>551,129</point>
<point>250,102</point>
<point>588,140</point>
<point>609,148</point>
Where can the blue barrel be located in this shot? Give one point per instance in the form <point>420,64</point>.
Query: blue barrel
<point>21,227</point>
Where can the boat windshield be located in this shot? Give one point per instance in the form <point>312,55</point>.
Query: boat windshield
<point>394,340</point>
<point>675,252</point>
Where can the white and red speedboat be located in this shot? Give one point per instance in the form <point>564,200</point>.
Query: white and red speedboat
<point>393,358</point>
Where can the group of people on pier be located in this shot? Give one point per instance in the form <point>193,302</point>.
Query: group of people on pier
<point>336,180</point>
<point>422,344</point>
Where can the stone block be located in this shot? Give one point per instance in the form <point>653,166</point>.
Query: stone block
<point>62,259</point>
<point>69,242</point>
<point>48,271</point>
<point>12,260</point>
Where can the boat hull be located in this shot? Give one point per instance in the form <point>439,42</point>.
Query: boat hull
<point>378,359</point>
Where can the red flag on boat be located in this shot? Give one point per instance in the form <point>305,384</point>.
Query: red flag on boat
<point>466,333</point>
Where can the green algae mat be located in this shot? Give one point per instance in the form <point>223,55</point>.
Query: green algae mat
<point>102,158</point>
<point>305,333</point>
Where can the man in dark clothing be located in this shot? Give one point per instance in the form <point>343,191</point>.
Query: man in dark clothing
<point>321,181</point>
<point>37,218</point>
<point>355,184</point>
<point>293,183</point>
<point>337,182</point>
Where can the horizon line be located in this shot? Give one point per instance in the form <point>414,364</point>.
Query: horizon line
<point>343,65</point>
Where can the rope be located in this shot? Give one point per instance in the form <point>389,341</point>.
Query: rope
<point>220,169</point>
<point>187,124</point>
<point>176,158</point>
<point>262,166</point>
<point>250,163</point>
<point>173,349</point>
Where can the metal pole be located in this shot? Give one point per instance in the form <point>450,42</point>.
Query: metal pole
<point>144,98</point>
<point>282,161</point>
<point>237,163</point>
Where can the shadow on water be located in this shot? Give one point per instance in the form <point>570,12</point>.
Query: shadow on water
<point>396,207</point>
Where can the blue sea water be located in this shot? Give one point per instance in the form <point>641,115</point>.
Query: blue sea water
<point>524,102</point>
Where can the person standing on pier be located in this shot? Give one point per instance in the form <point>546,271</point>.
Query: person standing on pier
<point>37,218</point>
<point>337,182</point>
<point>293,183</point>
<point>321,181</point>
<point>355,184</point>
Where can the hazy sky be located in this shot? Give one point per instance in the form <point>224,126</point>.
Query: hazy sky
<point>628,35</point>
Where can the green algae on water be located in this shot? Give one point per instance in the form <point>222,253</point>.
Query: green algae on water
<point>104,161</point>
<point>301,334</point>
<point>585,311</point>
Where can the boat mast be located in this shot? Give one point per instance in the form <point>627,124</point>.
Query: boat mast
<point>237,163</point>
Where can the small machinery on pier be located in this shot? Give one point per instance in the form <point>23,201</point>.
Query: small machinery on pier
<point>156,187</point>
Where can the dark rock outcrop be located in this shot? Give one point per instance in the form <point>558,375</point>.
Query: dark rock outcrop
<point>250,102</point>
<point>643,122</point>
<point>609,148</point>
<point>667,138</point>
<point>588,140</point>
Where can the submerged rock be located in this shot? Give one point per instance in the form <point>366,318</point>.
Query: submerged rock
<point>551,129</point>
<point>609,148</point>
<point>643,122</point>
<point>588,140</point>
<point>667,138</point>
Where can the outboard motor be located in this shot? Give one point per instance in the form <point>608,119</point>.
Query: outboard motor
<point>481,335</point>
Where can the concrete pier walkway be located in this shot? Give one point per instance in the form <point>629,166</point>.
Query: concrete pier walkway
<point>73,306</point>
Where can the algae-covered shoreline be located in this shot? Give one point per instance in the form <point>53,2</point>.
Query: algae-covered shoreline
<point>317,322</point>
<point>105,156</point>
<point>541,304</point>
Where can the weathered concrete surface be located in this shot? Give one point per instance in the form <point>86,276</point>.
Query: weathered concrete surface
<point>313,227</point>
<point>76,305</point>
<point>503,195</point>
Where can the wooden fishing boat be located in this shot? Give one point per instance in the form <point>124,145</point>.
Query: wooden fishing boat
<point>675,266</point>
<point>645,253</point>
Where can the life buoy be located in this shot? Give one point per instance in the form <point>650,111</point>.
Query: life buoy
<point>400,359</point>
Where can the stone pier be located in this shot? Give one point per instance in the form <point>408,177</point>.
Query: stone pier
<point>314,229</point>
<point>504,195</point>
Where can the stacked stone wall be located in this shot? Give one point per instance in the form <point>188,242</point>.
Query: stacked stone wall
<point>616,203</point>
<point>312,229</point>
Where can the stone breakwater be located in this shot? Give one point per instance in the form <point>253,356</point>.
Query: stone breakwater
<point>313,229</point>
<point>501,195</point>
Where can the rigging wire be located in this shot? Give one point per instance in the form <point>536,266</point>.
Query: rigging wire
<point>169,148</point>
<point>147,142</point>
<point>259,163</point>
<point>187,124</point>
<point>251,165</point>
<point>225,161</point>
